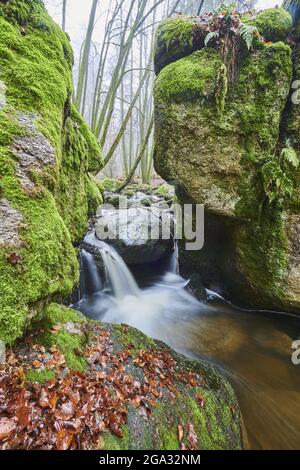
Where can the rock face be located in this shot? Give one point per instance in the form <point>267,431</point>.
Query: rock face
<point>233,145</point>
<point>47,157</point>
<point>141,394</point>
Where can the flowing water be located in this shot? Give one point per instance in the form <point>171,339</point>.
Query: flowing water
<point>253,348</point>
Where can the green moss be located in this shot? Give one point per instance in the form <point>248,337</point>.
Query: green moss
<point>125,337</point>
<point>36,68</point>
<point>40,375</point>
<point>191,78</point>
<point>112,442</point>
<point>176,37</point>
<point>69,345</point>
<point>55,314</point>
<point>218,162</point>
<point>274,24</point>
<point>169,437</point>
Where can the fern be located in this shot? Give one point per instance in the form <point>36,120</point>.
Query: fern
<point>247,33</point>
<point>278,177</point>
<point>210,36</point>
<point>290,156</point>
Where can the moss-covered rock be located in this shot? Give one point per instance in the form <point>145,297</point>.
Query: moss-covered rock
<point>274,24</point>
<point>221,144</point>
<point>46,154</point>
<point>177,37</point>
<point>192,396</point>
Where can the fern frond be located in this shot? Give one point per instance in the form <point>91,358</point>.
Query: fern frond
<point>290,155</point>
<point>247,33</point>
<point>210,36</point>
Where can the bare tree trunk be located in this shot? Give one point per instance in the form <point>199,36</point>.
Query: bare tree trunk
<point>138,160</point>
<point>200,7</point>
<point>84,64</point>
<point>64,15</point>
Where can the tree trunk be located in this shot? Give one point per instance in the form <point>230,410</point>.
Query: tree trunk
<point>293,7</point>
<point>84,65</point>
<point>64,15</point>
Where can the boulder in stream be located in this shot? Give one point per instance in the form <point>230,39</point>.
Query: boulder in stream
<point>227,135</point>
<point>140,235</point>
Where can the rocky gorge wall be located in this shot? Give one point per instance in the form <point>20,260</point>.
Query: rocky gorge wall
<point>47,158</point>
<point>227,135</point>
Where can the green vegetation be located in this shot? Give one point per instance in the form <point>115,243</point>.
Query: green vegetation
<point>191,78</point>
<point>40,375</point>
<point>219,139</point>
<point>36,67</point>
<point>274,24</point>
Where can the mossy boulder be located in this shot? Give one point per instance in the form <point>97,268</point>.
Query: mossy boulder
<point>274,24</point>
<point>164,400</point>
<point>215,140</point>
<point>47,155</point>
<point>177,37</point>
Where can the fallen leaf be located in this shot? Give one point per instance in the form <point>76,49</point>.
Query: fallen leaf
<point>7,426</point>
<point>192,436</point>
<point>63,440</point>
<point>180,433</point>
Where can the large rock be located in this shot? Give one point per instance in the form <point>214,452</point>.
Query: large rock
<point>138,234</point>
<point>111,387</point>
<point>223,143</point>
<point>46,154</point>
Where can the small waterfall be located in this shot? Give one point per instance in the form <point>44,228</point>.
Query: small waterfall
<point>121,279</point>
<point>90,281</point>
<point>173,264</point>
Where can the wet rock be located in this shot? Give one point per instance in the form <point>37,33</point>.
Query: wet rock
<point>218,154</point>
<point>159,400</point>
<point>196,287</point>
<point>139,235</point>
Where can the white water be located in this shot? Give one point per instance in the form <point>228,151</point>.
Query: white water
<point>254,348</point>
<point>124,302</point>
<point>92,282</point>
<point>121,279</point>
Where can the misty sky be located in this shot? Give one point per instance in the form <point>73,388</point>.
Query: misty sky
<point>78,12</point>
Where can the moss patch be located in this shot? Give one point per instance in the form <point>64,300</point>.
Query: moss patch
<point>36,68</point>
<point>41,376</point>
<point>191,78</point>
<point>176,37</point>
<point>274,24</point>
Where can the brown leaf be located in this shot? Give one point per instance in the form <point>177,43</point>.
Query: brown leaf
<point>201,400</point>
<point>192,436</point>
<point>63,440</point>
<point>180,433</point>
<point>66,412</point>
<point>24,415</point>
<point>7,426</point>
<point>53,400</point>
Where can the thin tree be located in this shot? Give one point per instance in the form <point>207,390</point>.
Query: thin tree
<point>84,60</point>
<point>64,15</point>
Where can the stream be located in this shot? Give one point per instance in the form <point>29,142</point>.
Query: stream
<point>253,348</point>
